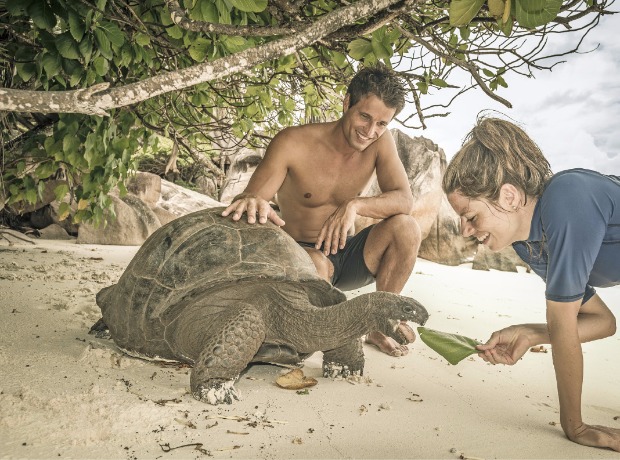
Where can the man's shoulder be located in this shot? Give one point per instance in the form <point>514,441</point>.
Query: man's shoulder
<point>309,129</point>
<point>295,137</point>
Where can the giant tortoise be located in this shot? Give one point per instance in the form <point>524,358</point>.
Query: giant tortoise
<point>208,291</point>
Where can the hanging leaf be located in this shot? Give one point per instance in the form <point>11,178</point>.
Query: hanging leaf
<point>250,6</point>
<point>60,191</point>
<point>496,8</point>
<point>101,66</point>
<point>380,49</point>
<point>17,7</point>
<point>113,32</point>
<point>52,64</point>
<point>76,26</point>
<point>103,43</point>
<point>41,14</point>
<point>359,48</point>
<point>63,211</point>
<point>67,47</point>
<point>25,70</point>
<point>453,347</point>
<point>535,13</point>
<point>463,11</point>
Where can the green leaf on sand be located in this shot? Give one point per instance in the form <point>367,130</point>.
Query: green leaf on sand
<point>453,347</point>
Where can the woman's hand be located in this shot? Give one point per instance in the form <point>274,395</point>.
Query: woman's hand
<point>597,436</point>
<point>508,345</point>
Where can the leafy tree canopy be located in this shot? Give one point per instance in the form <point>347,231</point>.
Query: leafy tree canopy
<point>86,85</point>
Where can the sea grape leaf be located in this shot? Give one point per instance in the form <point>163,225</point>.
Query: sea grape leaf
<point>535,13</point>
<point>463,11</point>
<point>453,347</point>
<point>250,6</point>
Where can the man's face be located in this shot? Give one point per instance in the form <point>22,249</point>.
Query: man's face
<point>366,121</point>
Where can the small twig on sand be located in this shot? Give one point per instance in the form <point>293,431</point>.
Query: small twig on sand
<point>197,446</point>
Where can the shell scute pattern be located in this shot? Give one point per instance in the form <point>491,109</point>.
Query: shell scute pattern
<point>203,256</point>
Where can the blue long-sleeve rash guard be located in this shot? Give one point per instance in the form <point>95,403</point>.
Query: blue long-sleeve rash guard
<point>574,241</point>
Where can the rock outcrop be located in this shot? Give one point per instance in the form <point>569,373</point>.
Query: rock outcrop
<point>239,173</point>
<point>445,244</point>
<point>424,163</point>
<point>150,203</point>
<point>505,260</point>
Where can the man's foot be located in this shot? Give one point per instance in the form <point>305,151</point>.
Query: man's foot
<point>390,346</point>
<point>405,333</point>
<point>386,344</point>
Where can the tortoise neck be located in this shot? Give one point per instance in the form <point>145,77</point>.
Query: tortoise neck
<point>324,328</point>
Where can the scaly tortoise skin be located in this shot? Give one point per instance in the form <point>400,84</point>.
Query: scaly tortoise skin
<point>208,291</point>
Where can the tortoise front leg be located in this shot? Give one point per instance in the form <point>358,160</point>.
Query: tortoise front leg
<point>345,360</point>
<point>225,355</point>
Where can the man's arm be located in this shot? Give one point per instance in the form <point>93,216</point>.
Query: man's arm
<point>263,185</point>
<point>395,198</point>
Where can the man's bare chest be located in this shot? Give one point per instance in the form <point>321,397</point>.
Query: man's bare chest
<point>320,184</point>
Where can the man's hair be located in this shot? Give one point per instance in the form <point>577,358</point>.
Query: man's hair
<point>494,153</point>
<point>381,81</point>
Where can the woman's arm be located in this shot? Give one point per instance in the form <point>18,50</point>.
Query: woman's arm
<point>562,324</point>
<point>594,321</point>
<point>567,328</point>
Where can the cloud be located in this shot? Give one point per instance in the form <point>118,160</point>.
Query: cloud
<point>572,112</point>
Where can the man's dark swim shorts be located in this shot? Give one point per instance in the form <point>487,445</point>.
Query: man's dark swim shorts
<point>350,271</point>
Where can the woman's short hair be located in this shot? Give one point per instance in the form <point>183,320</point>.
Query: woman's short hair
<point>496,152</point>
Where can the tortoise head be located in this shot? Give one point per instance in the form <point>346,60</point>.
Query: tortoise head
<point>405,308</point>
<point>389,308</point>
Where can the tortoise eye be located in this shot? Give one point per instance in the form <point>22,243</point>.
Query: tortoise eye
<point>408,309</point>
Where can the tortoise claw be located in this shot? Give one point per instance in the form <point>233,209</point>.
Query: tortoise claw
<point>217,393</point>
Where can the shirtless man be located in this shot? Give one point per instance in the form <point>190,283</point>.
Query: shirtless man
<point>317,174</point>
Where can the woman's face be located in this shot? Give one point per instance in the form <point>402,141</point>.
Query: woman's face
<point>494,225</point>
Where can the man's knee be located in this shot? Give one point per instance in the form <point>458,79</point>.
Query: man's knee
<point>405,231</point>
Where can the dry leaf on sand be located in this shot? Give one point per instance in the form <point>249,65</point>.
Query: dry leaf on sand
<point>295,380</point>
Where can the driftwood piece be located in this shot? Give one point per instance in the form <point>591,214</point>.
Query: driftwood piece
<point>6,232</point>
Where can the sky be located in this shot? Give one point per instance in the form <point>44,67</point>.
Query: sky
<point>571,112</point>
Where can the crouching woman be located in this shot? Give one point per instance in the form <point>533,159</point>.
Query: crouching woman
<point>567,228</point>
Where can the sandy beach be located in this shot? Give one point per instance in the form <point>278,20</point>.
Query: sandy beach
<point>67,394</point>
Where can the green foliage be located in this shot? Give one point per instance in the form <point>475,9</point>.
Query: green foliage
<point>453,347</point>
<point>56,45</point>
<point>527,13</point>
<point>535,13</point>
<point>463,11</point>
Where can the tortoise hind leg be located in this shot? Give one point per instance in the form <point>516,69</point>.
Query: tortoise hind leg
<point>225,355</point>
<point>100,330</point>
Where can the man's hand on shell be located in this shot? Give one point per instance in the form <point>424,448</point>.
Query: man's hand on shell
<point>253,205</point>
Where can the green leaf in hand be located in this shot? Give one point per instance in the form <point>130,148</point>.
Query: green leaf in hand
<point>453,347</point>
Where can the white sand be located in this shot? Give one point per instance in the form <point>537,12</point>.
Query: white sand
<point>64,393</point>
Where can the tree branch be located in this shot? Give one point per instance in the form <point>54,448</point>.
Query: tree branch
<point>468,66</point>
<point>178,16</point>
<point>97,99</point>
